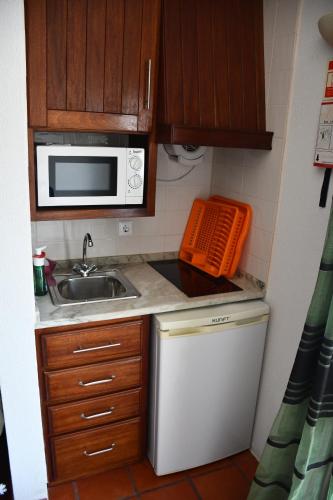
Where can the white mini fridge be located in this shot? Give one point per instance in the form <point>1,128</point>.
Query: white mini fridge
<point>205,371</point>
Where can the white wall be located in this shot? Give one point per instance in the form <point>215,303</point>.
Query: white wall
<point>301,224</point>
<point>161,233</point>
<point>18,375</point>
<point>254,176</point>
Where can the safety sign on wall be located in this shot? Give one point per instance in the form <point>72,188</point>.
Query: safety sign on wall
<point>324,145</point>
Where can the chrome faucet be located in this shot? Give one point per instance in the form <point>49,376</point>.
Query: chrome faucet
<point>82,267</point>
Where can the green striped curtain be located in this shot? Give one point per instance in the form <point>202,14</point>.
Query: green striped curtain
<point>297,459</point>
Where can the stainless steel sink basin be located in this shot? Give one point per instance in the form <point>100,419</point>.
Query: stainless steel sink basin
<point>71,289</point>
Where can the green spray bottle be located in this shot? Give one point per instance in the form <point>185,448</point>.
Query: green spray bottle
<point>39,272</point>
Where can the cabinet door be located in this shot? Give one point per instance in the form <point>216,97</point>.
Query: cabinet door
<point>92,64</point>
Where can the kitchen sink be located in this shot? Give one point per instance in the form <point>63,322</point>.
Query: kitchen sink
<point>69,289</point>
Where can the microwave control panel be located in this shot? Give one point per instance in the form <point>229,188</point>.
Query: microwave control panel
<point>135,175</point>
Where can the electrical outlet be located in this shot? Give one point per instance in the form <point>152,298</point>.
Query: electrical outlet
<point>125,228</point>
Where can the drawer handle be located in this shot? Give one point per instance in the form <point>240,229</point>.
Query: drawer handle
<point>96,415</point>
<point>96,382</point>
<point>99,452</point>
<point>88,349</point>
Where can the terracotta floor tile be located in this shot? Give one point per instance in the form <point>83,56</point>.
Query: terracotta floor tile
<point>110,485</point>
<point>247,462</point>
<point>61,492</point>
<point>227,483</point>
<point>146,479</point>
<point>179,491</point>
<point>210,467</point>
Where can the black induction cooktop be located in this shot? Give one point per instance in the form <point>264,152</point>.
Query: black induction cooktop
<point>192,281</point>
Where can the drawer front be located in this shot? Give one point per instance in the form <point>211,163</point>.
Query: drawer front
<point>89,451</point>
<point>60,350</point>
<point>71,417</point>
<point>79,383</point>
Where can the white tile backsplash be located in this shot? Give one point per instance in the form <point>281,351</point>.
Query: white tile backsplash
<point>150,234</point>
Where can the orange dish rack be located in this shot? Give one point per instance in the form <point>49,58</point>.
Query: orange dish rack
<point>215,234</point>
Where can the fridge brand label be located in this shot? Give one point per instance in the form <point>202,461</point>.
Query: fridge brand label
<point>220,319</point>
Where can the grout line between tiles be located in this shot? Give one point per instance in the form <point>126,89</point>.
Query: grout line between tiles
<point>75,490</point>
<point>162,486</point>
<point>132,480</point>
<point>240,468</point>
<point>194,488</point>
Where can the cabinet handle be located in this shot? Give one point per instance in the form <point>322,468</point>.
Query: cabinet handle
<point>148,84</point>
<point>96,382</point>
<point>87,349</point>
<point>96,415</point>
<point>99,452</point>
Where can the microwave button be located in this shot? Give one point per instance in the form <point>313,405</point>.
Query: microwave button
<point>135,181</point>
<point>135,163</point>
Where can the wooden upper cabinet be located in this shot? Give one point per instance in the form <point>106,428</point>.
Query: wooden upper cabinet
<point>211,82</point>
<point>92,63</point>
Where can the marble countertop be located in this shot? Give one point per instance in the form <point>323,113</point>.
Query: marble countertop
<point>157,295</point>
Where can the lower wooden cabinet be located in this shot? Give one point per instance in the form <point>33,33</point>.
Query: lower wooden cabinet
<point>93,406</point>
<point>94,450</point>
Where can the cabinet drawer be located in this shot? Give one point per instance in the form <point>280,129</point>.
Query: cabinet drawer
<point>86,346</point>
<point>71,417</point>
<point>89,451</point>
<point>91,380</point>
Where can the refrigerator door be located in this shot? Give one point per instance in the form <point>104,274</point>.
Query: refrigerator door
<point>203,393</point>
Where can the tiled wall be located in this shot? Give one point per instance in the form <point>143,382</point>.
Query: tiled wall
<point>150,234</point>
<point>254,176</point>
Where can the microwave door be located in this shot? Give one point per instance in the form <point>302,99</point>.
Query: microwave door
<point>76,176</point>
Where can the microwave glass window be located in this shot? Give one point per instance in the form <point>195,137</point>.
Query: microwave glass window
<point>82,176</point>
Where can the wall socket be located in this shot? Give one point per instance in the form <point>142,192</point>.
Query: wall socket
<point>125,228</point>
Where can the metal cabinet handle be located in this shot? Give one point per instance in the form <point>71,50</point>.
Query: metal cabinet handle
<point>97,415</point>
<point>87,349</point>
<point>96,382</point>
<point>99,452</point>
<point>148,84</point>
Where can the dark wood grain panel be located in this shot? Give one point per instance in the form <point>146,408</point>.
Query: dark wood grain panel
<point>248,15</point>
<point>172,62</point>
<point>114,56</point>
<point>69,451</point>
<point>64,385</point>
<point>182,134</point>
<point>76,55</point>
<point>104,410</point>
<point>131,56</point>
<point>36,62</point>
<point>96,15</point>
<point>220,54</point>
<point>148,80</point>
<point>190,63</point>
<point>237,78</point>
<point>91,345</point>
<point>260,70</point>
<point>205,21</point>
<point>56,53</point>
<point>77,120</point>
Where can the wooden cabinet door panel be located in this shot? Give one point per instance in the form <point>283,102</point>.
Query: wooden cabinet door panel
<point>91,380</point>
<point>76,55</point>
<point>56,22</point>
<point>94,450</point>
<point>114,48</point>
<point>91,56</point>
<point>91,345</point>
<point>71,417</point>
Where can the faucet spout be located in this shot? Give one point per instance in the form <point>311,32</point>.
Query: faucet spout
<point>82,267</point>
<point>86,240</point>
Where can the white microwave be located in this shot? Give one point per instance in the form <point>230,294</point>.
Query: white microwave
<point>89,175</point>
